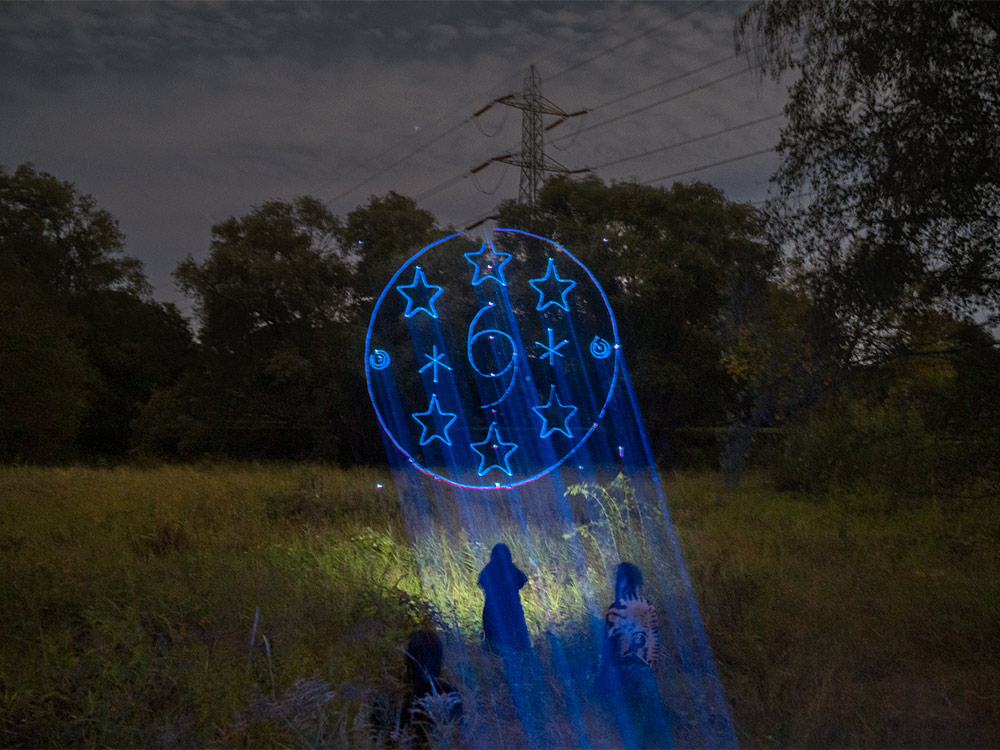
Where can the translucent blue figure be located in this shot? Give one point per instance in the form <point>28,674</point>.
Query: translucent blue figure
<point>629,654</point>
<point>503,616</point>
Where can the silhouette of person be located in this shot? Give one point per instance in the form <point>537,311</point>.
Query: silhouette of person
<point>503,616</point>
<point>430,701</point>
<point>428,705</point>
<point>629,654</point>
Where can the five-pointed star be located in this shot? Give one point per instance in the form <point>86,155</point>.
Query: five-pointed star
<point>489,263</point>
<point>490,450</point>
<point>557,412</point>
<point>552,281</point>
<point>428,419</point>
<point>421,298</point>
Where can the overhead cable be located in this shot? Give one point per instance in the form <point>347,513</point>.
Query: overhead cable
<point>647,32</point>
<point>707,166</point>
<point>686,142</point>
<point>657,103</point>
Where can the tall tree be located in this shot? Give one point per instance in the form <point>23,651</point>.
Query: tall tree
<point>84,343</point>
<point>381,235</point>
<point>276,309</point>
<point>889,187</point>
<point>682,267</point>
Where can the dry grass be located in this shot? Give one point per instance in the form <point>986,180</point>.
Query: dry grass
<point>130,598</point>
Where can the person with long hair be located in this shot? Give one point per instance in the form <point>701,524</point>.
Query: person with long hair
<point>629,654</point>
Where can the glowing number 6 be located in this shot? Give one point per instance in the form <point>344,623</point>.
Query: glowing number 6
<point>492,333</point>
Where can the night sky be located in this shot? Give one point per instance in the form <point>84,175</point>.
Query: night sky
<point>177,116</point>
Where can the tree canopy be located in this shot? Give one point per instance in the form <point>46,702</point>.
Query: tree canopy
<point>889,186</point>
<point>84,345</point>
<point>682,266</point>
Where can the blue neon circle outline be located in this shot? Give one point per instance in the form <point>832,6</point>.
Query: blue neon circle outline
<point>496,486</point>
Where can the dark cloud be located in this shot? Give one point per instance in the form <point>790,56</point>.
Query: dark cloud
<point>175,116</point>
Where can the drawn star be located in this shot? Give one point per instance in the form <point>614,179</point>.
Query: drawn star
<point>555,413</point>
<point>491,448</point>
<point>489,263</point>
<point>435,362</point>
<point>551,280</point>
<point>421,298</point>
<point>433,416</point>
<point>552,350</point>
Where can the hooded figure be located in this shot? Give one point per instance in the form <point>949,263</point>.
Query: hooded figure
<point>503,616</point>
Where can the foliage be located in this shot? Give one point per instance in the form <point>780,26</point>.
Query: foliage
<point>920,425</point>
<point>275,306</point>
<point>681,267</point>
<point>889,184</point>
<point>383,234</point>
<point>87,345</point>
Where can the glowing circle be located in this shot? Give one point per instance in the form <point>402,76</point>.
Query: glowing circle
<point>600,348</point>
<point>526,366</point>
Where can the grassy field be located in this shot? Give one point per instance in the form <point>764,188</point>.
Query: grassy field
<point>265,605</point>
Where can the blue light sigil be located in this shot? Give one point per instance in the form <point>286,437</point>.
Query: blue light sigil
<point>544,380</point>
<point>435,362</point>
<point>427,420</point>
<point>552,349</point>
<point>490,450</point>
<point>551,282</point>
<point>523,291</point>
<point>487,256</point>
<point>421,291</point>
<point>560,412</point>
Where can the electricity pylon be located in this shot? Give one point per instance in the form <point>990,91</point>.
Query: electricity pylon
<point>532,159</point>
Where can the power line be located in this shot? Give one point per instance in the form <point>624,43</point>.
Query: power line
<point>657,103</point>
<point>433,141</point>
<point>399,161</point>
<point>647,32</point>
<point>707,166</point>
<point>688,141</point>
<point>453,180</point>
<point>664,82</point>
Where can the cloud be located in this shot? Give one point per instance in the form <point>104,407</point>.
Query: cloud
<point>178,115</point>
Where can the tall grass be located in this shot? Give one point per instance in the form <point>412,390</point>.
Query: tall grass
<point>131,598</point>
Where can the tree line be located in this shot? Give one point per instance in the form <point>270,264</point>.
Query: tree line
<point>842,331</point>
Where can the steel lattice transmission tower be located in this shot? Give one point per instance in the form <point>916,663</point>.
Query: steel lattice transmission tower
<point>532,159</point>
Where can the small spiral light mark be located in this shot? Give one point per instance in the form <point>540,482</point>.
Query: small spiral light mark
<point>379,359</point>
<point>600,348</point>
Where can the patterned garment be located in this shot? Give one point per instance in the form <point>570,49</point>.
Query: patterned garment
<point>633,632</point>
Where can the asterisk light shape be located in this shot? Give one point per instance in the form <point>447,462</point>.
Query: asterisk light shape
<point>421,298</point>
<point>552,350</point>
<point>435,362</point>
<point>489,263</point>
<point>551,279</point>
<point>555,412</point>
<point>490,450</point>
<point>432,416</point>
